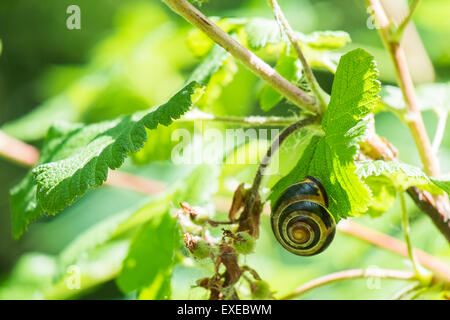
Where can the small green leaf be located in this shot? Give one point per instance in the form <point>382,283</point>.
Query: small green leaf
<point>401,175</point>
<point>384,194</point>
<point>330,157</point>
<point>385,179</point>
<point>261,32</point>
<point>430,96</point>
<point>443,183</point>
<point>196,188</point>
<point>159,289</point>
<point>151,254</point>
<point>209,66</point>
<point>76,158</point>
<point>113,227</point>
<point>325,40</point>
<point>287,67</point>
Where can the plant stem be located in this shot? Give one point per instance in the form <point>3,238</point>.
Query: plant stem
<point>17,151</point>
<point>195,115</point>
<point>284,26</point>
<point>405,226</point>
<point>248,58</point>
<point>401,28</point>
<point>413,116</point>
<point>405,291</point>
<point>387,242</point>
<point>350,274</point>
<point>270,152</point>
<point>27,155</point>
<point>422,199</point>
<point>440,131</point>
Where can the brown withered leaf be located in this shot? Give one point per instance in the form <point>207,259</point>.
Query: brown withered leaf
<point>229,258</point>
<point>249,221</point>
<point>238,202</point>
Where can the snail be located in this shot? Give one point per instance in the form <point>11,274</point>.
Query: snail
<point>300,218</point>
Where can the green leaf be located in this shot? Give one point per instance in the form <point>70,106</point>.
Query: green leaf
<point>196,188</point>
<point>261,32</point>
<point>430,96</point>
<point>214,72</point>
<point>385,179</point>
<point>114,226</point>
<point>160,289</point>
<point>76,158</point>
<point>325,40</point>
<point>330,157</point>
<point>401,175</point>
<point>384,194</point>
<point>210,65</point>
<point>200,44</point>
<point>287,67</point>
<point>151,255</point>
<point>443,183</point>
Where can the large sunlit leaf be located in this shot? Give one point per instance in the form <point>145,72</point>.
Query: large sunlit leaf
<point>330,157</point>
<point>76,158</point>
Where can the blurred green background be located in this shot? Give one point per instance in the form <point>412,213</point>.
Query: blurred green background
<point>131,55</point>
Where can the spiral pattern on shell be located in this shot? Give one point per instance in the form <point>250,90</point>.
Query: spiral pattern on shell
<point>300,218</point>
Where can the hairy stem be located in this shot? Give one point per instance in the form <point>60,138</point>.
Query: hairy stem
<point>248,58</point>
<point>350,274</point>
<point>285,26</point>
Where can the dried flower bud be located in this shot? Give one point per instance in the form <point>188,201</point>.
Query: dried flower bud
<point>199,247</point>
<point>188,226</point>
<point>198,215</point>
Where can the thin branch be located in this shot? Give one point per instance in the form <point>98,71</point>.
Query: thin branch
<point>351,274</point>
<point>248,58</point>
<point>406,230</point>
<point>27,155</point>
<point>401,28</point>
<point>270,152</point>
<point>372,236</point>
<point>427,204</point>
<point>380,149</point>
<point>405,291</point>
<point>415,121</point>
<point>17,151</point>
<point>389,243</point>
<point>285,26</point>
<point>133,182</point>
<point>440,131</point>
<point>196,114</point>
<point>413,116</point>
<point>437,213</point>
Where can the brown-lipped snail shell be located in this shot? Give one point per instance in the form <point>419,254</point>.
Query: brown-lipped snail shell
<point>301,220</point>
